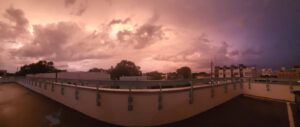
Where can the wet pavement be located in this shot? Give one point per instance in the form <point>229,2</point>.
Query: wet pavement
<point>20,107</point>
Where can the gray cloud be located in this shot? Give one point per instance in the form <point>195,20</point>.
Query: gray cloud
<point>69,2</point>
<point>17,25</point>
<point>77,7</point>
<point>252,52</point>
<point>145,34</point>
<point>200,55</point>
<point>64,41</point>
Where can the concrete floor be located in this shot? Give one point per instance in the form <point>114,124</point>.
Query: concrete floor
<point>20,107</point>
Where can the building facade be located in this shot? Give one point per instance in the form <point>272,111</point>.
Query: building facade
<point>235,71</point>
<point>289,73</point>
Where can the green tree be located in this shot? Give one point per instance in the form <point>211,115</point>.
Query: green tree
<point>125,68</point>
<point>172,76</point>
<point>154,75</point>
<point>184,72</point>
<point>97,70</point>
<point>39,67</point>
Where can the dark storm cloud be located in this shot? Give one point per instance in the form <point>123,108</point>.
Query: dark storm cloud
<point>145,35</point>
<point>18,24</point>
<point>61,42</point>
<point>77,7</point>
<point>201,54</point>
<point>119,21</point>
<point>69,2</point>
<point>251,52</point>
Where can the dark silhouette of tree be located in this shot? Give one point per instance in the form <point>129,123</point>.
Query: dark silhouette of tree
<point>97,70</point>
<point>39,67</point>
<point>155,75</point>
<point>172,76</point>
<point>184,72</point>
<point>125,68</point>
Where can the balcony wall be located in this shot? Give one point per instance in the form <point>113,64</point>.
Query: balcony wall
<point>147,109</point>
<point>151,107</point>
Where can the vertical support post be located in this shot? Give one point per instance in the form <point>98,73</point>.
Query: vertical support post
<point>40,84</point>
<point>52,86</point>
<point>130,100</point>
<point>191,97</point>
<point>268,84</point>
<point>160,98</point>
<point>98,97</point>
<point>291,86</point>
<point>249,83</point>
<point>212,91</point>
<point>76,92</point>
<point>241,83</point>
<point>62,89</point>
<point>45,85</point>
<point>234,84</point>
<point>225,88</point>
<point>35,83</point>
<point>56,76</point>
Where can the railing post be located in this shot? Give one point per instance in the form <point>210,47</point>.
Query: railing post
<point>249,83</point>
<point>52,86</point>
<point>225,88</point>
<point>191,97</point>
<point>98,96</point>
<point>234,84</point>
<point>212,91</point>
<point>45,85</point>
<point>130,100</point>
<point>291,85</point>
<point>268,84</point>
<point>35,83</point>
<point>160,98</point>
<point>241,83</point>
<point>39,84</point>
<point>76,92</point>
<point>62,89</point>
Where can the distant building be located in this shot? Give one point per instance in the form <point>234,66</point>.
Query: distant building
<point>249,71</point>
<point>267,72</point>
<point>289,73</point>
<point>201,75</point>
<point>74,75</point>
<point>3,72</point>
<point>135,78</point>
<point>235,71</point>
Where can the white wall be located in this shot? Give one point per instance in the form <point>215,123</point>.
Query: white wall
<point>175,101</point>
<point>278,91</point>
<point>74,75</point>
<point>114,108</point>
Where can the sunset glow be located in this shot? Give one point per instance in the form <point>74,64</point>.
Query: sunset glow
<point>81,34</point>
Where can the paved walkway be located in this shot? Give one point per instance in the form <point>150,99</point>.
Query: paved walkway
<point>241,112</point>
<point>20,107</point>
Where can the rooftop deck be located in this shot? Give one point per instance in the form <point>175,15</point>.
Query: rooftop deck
<point>20,107</point>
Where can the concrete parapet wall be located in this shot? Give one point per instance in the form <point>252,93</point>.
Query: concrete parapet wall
<point>139,107</point>
<point>150,107</point>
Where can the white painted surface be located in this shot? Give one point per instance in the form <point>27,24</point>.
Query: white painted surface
<point>74,75</point>
<point>175,101</point>
<point>276,91</point>
<point>114,108</point>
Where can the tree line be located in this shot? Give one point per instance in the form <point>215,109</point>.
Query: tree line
<point>123,68</point>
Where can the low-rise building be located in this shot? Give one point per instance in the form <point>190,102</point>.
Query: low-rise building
<point>3,72</point>
<point>235,71</point>
<point>289,73</point>
<point>135,78</point>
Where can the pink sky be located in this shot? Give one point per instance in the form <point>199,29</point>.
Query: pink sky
<point>81,34</point>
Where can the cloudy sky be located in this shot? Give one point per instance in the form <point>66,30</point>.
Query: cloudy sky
<point>155,34</point>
